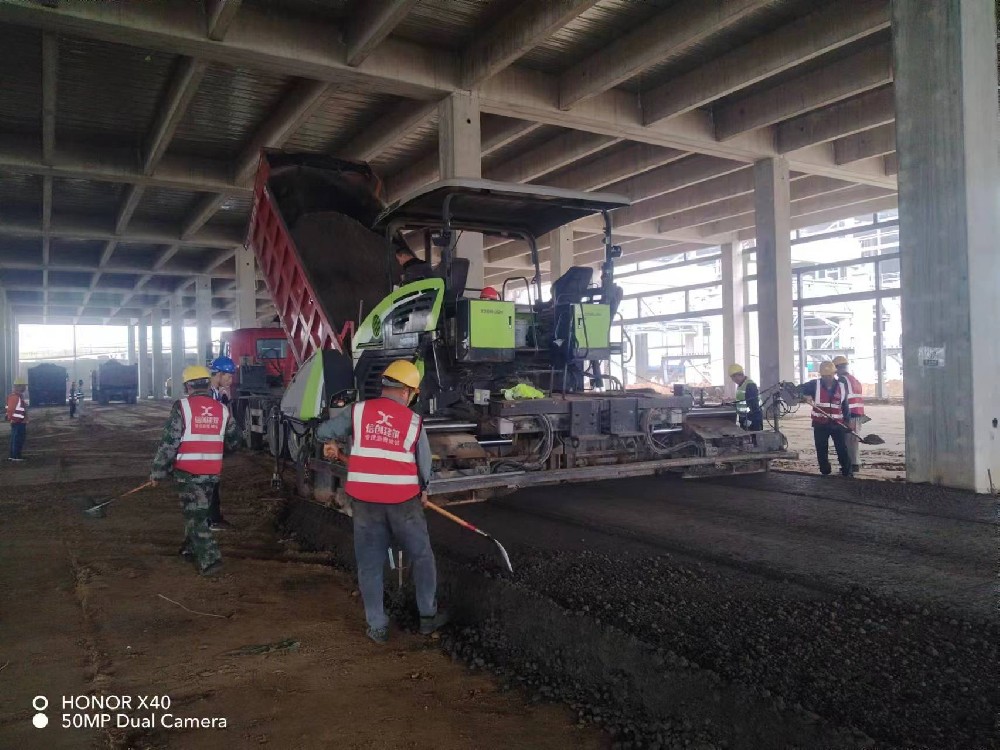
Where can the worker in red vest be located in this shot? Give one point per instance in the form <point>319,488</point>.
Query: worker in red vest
<point>198,432</point>
<point>17,415</point>
<point>855,411</point>
<point>828,397</point>
<point>388,469</point>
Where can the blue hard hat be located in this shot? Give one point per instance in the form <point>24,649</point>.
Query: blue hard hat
<point>223,364</point>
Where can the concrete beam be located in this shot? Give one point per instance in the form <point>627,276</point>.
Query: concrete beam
<point>50,83</point>
<point>615,167</point>
<point>180,92</point>
<point>219,15</point>
<point>891,163</point>
<point>866,144</point>
<point>832,26</point>
<point>291,113</point>
<point>860,72</point>
<point>202,212</point>
<point>558,152</point>
<point>389,129</point>
<point>664,37</point>
<point>867,110</point>
<point>117,165</point>
<point>72,228</point>
<point>530,24</point>
<point>372,22</point>
<point>133,194</point>
<point>498,134</point>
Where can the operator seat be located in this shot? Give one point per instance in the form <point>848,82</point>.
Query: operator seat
<point>570,288</point>
<point>454,284</point>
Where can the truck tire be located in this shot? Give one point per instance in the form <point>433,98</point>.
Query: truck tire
<point>275,431</point>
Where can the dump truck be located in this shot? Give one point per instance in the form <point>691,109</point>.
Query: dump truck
<point>264,368</point>
<point>114,381</point>
<point>325,246</point>
<point>47,384</point>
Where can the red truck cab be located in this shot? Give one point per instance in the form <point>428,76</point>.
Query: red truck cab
<point>267,347</point>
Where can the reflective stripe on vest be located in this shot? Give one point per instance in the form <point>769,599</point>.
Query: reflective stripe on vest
<point>20,413</point>
<point>855,399</point>
<point>203,441</point>
<point>742,407</point>
<point>823,411</point>
<point>382,467</point>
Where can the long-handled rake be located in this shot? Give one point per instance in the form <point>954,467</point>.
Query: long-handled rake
<point>97,511</point>
<point>465,524</point>
<point>871,439</point>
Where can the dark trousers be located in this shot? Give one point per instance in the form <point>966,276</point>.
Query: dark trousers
<point>375,524</point>
<point>822,434</point>
<point>215,506</point>
<point>18,434</point>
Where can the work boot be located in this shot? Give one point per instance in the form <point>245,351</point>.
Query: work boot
<point>429,624</point>
<point>185,552</point>
<point>221,525</point>
<point>855,468</point>
<point>379,635</point>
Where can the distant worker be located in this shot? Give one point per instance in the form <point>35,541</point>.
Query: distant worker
<point>828,396</point>
<point>489,293</point>
<point>222,370</point>
<point>748,410</point>
<point>17,415</point>
<point>414,269</point>
<point>194,439</point>
<point>72,402</point>
<point>388,469</point>
<point>855,408</point>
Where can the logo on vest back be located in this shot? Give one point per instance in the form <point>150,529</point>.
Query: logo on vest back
<point>206,421</point>
<point>382,430</point>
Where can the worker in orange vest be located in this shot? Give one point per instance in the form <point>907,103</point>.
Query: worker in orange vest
<point>388,470</point>
<point>828,397</point>
<point>855,408</point>
<point>17,415</point>
<point>198,432</point>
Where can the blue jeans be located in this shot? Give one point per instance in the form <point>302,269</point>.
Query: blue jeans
<point>374,524</point>
<point>18,432</point>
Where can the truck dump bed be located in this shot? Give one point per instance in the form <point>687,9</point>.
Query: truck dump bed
<point>309,230</point>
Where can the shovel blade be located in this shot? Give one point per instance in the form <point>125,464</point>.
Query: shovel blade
<point>872,440</point>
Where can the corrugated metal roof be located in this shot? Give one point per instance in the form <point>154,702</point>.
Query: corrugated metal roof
<point>765,20</point>
<point>21,248</point>
<point>116,279</point>
<point>334,11</point>
<point>108,93</point>
<point>136,253</point>
<point>90,197</point>
<point>527,142</point>
<point>417,142</point>
<point>230,105</point>
<point>162,204</point>
<point>24,296</point>
<point>590,31</point>
<point>452,24</point>
<point>343,114</point>
<point>66,298</point>
<point>75,252</point>
<point>20,95</point>
<point>69,278</point>
<point>20,193</point>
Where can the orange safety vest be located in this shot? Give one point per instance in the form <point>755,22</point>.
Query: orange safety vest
<point>855,399</point>
<point>382,467</point>
<point>203,441</point>
<point>16,413</point>
<point>828,406</point>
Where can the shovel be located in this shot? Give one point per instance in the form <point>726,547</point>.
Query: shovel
<point>98,510</point>
<point>465,524</point>
<point>871,439</point>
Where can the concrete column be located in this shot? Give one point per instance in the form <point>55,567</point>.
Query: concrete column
<point>176,346</point>
<point>459,150</point>
<point>156,365</point>
<point>203,315</point>
<point>946,136</point>
<point>733,317</point>
<point>132,356</point>
<point>560,252</point>
<point>772,207</point>
<point>246,289</point>
<point>145,381</point>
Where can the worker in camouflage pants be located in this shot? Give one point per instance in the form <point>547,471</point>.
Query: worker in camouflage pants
<point>198,432</point>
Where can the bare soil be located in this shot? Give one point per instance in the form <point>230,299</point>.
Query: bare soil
<point>275,645</point>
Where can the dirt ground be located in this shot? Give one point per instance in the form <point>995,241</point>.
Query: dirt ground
<point>274,646</point>
<point>886,462</point>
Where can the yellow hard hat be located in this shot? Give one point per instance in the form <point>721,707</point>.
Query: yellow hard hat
<point>403,372</point>
<point>840,360</point>
<point>195,372</point>
<point>735,370</point>
<point>827,370</point>
<point>20,381</point>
